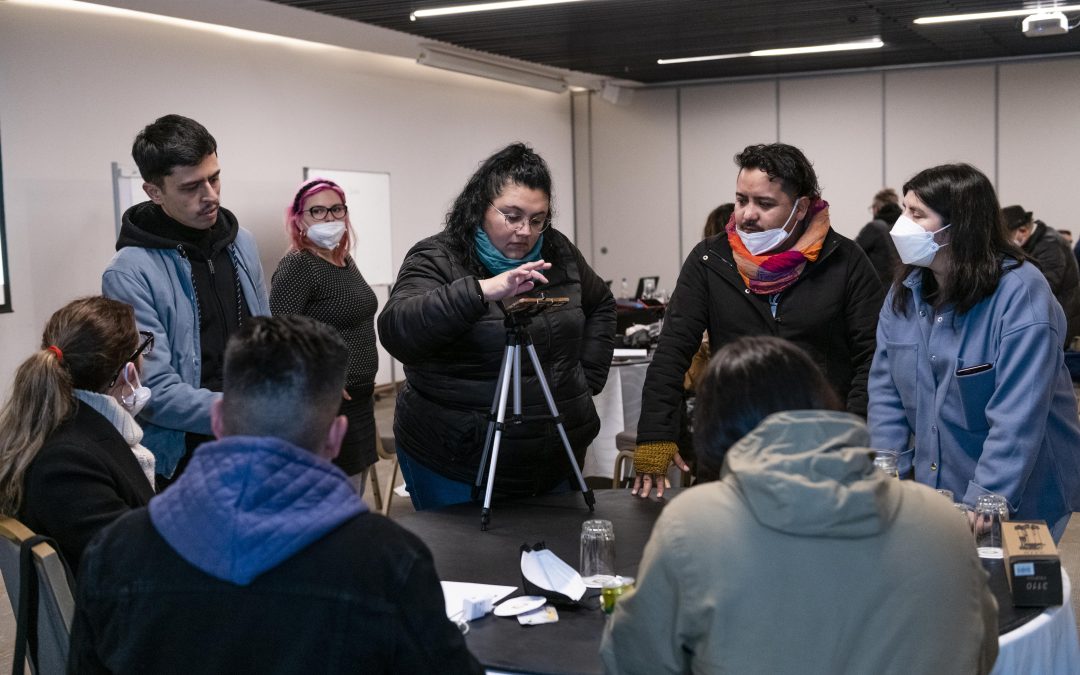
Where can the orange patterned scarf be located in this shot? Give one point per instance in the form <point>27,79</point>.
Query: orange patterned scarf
<point>773,272</point>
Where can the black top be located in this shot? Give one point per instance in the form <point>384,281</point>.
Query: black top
<point>306,284</point>
<point>452,343</point>
<point>220,302</point>
<point>831,312</point>
<point>1051,254</point>
<point>83,478</point>
<point>364,598</point>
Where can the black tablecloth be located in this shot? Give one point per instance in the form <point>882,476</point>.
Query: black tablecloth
<point>464,553</point>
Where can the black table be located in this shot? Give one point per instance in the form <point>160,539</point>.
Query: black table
<point>464,553</point>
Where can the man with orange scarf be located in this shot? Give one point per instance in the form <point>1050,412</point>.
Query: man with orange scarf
<point>778,268</point>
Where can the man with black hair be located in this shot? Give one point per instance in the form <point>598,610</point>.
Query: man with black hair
<point>1048,248</point>
<point>777,269</point>
<point>261,558</point>
<point>192,275</point>
<point>874,238</point>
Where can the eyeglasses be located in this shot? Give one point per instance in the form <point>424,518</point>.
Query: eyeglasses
<point>514,221</point>
<point>146,346</point>
<point>321,212</point>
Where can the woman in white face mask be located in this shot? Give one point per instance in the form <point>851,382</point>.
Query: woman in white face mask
<point>70,455</point>
<point>318,278</point>
<point>969,362</point>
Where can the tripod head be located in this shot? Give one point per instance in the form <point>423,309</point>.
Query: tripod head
<point>520,313</point>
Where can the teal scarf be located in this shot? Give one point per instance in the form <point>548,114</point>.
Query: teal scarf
<point>496,262</point>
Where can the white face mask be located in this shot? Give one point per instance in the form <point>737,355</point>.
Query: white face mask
<point>326,235</point>
<point>137,396</point>
<point>766,240</point>
<point>915,245</point>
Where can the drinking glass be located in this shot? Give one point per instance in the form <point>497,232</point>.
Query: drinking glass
<point>990,512</point>
<point>886,461</point>
<point>597,548</point>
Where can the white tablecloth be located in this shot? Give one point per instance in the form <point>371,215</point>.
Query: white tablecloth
<point>618,406</point>
<point>1046,645</point>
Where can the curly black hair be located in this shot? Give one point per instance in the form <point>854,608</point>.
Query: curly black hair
<point>785,163</point>
<point>517,164</point>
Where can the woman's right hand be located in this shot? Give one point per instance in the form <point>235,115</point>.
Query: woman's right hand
<point>514,282</point>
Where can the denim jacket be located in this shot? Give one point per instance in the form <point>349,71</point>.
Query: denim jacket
<point>157,283</point>
<point>1009,425</point>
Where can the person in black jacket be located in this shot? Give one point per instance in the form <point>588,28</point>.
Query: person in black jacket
<point>779,269</point>
<point>444,322</point>
<point>261,558</point>
<point>1049,250</point>
<point>874,238</point>
<point>70,455</point>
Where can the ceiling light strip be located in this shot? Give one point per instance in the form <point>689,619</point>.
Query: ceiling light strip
<point>483,7</point>
<point>872,43</point>
<point>1004,14</point>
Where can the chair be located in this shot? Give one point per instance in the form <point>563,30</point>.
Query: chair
<point>49,636</point>
<point>381,445</point>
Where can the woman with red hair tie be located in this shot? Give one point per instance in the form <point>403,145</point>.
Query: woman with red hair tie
<point>318,278</point>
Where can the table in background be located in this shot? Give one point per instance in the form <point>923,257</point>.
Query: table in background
<point>619,406</point>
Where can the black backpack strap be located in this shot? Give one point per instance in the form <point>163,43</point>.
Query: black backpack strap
<point>27,619</point>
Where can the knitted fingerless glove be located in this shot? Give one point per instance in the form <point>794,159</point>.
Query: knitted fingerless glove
<point>654,457</point>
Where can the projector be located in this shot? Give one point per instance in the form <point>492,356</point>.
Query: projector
<point>1045,23</point>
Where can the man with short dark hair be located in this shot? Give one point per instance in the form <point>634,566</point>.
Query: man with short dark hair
<point>192,275</point>
<point>874,238</point>
<point>778,269</point>
<point>1055,259</point>
<point>261,558</point>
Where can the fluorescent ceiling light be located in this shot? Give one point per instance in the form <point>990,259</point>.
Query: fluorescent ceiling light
<point>242,33</point>
<point>982,16</point>
<point>873,43</point>
<point>504,72</point>
<point>483,7</point>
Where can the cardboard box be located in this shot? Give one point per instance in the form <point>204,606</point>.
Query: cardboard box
<point>1031,563</point>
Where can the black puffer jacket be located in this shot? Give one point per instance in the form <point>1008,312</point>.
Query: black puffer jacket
<point>831,312</point>
<point>451,343</point>
<point>1053,257</point>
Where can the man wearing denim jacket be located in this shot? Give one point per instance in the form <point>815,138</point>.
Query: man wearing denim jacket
<point>192,275</point>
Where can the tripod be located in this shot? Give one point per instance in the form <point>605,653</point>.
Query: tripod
<point>517,337</point>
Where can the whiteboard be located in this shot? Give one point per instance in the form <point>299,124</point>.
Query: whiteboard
<point>367,194</point>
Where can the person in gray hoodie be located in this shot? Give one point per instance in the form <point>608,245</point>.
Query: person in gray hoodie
<point>803,557</point>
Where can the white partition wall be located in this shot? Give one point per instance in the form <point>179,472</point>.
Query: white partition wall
<point>836,121</point>
<point>75,88</point>
<point>1039,140</point>
<point>635,213</point>
<point>939,115</point>
<point>717,121</point>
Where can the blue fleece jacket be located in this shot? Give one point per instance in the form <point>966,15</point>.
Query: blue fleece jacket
<point>245,504</point>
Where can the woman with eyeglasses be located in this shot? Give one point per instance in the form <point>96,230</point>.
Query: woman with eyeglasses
<point>444,322</point>
<point>70,455</point>
<point>319,279</point>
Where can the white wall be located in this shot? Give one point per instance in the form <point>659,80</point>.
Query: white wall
<point>1017,122</point>
<point>75,89</point>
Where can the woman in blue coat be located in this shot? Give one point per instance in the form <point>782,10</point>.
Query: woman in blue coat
<point>968,381</point>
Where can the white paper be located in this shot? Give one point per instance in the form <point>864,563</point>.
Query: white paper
<point>621,353</point>
<point>455,592</point>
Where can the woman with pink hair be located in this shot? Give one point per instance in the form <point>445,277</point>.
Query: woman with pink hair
<point>318,278</point>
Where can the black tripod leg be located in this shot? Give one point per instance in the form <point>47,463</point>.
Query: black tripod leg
<point>587,493</point>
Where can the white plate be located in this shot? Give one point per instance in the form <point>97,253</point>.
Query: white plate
<point>520,605</point>
<point>597,580</point>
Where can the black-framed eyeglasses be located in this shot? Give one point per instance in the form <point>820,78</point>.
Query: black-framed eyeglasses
<point>146,346</point>
<point>322,212</point>
<point>515,220</point>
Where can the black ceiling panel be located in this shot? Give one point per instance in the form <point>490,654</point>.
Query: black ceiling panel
<point>624,38</point>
